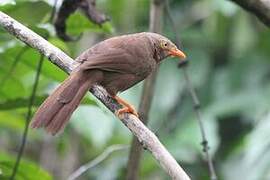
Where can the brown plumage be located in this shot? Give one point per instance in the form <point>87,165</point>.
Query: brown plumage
<point>116,64</point>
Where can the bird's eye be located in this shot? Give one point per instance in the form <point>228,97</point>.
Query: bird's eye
<point>164,44</point>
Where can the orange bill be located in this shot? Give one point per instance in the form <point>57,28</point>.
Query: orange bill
<point>177,53</point>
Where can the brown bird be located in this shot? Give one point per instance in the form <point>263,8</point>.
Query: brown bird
<point>116,64</point>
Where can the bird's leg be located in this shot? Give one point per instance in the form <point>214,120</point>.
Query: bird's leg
<point>128,108</point>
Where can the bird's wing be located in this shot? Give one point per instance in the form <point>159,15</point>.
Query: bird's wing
<point>112,59</point>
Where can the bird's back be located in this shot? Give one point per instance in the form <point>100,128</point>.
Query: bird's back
<point>128,58</point>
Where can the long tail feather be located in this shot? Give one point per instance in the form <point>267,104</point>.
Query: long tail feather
<point>56,110</point>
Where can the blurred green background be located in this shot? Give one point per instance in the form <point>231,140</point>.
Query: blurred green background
<point>229,53</point>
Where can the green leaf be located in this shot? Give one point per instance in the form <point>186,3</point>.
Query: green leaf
<point>27,12</point>
<point>22,102</point>
<point>12,87</point>
<point>31,58</point>
<point>40,31</point>
<point>12,121</point>
<point>60,44</point>
<point>26,171</point>
<point>77,24</point>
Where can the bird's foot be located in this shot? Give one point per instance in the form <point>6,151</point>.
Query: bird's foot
<point>130,109</point>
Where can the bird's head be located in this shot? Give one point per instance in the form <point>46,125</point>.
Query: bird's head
<point>165,48</point>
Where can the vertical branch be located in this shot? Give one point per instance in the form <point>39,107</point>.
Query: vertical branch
<point>30,105</point>
<point>53,11</point>
<point>156,12</point>
<point>195,99</point>
<point>28,118</point>
<point>196,105</point>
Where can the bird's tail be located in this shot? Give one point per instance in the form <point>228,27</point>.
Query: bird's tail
<point>56,110</point>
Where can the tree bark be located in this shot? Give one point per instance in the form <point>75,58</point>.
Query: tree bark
<point>260,8</point>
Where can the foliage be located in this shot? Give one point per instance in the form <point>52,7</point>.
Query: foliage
<point>27,170</point>
<point>229,66</point>
<point>77,23</point>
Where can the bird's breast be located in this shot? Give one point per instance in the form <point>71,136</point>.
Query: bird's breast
<point>146,67</point>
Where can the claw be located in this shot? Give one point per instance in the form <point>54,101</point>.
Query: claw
<point>128,108</point>
<point>131,110</point>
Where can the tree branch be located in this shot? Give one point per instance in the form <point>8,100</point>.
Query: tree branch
<point>59,58</point>
<point>156,11</point>
<point>70,6</point>
<point>27,119</point>
<point>195,100</point>
<point>260,8</point>
<point>109,150</point>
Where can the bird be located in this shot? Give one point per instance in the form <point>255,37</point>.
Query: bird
<point>116,64</point>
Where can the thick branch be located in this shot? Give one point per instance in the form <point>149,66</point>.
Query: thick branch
<point>144,135</point>
<point>260,8</point>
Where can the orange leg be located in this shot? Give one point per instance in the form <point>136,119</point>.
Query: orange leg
<point>128,108</point>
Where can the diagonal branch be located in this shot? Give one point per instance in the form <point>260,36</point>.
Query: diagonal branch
<point>109,150</point>
<point>260,8</point>
<point>63,61</point>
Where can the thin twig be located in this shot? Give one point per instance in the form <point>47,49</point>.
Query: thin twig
<point>196,105</point>
<point>105,154</point>
<point>147,138</point>
<point>30,105</point>
<point>53,11</point>
<point>28,118</point>
<point>195,100</point>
